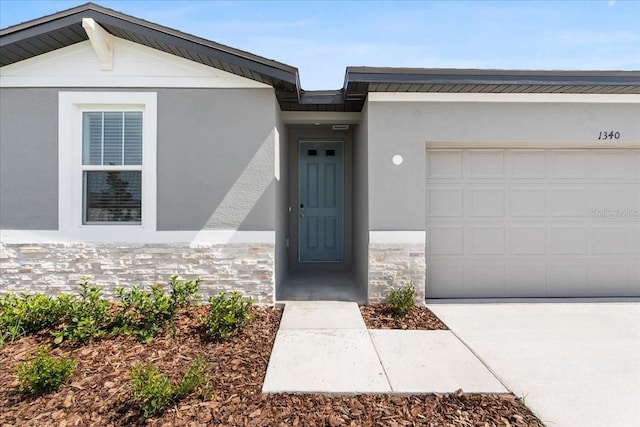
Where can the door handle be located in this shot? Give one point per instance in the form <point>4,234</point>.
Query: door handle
<point>301,211</point>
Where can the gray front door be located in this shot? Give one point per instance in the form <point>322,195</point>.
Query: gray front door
<point>320,204</point>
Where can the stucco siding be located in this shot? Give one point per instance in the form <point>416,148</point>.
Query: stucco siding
<point>396,200</point>
<point>281,262</point>
<point>215,163</point>
<point>28,159</point>
<point>216,159</point>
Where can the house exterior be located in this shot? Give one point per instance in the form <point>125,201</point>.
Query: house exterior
<point>130,151</point>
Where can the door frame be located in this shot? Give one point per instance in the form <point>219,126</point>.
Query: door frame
<point>320,133</point>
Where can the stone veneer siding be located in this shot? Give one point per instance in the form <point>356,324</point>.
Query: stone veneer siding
<point>53,268</point>
<point>392,265</point>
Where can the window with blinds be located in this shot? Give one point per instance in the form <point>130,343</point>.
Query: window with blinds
<point>112,167</point>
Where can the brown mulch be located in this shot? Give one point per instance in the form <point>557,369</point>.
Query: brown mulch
<point>98,393</point>
<point>378,316</point>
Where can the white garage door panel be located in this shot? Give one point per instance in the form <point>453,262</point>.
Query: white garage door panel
<point>486,164</point>
<point>529,201</point>
<point>522,277</point>
<point>613,198</point>
<point>528,164</point>
<point>485,201</point>
<point>533,223</point>
<point>610,165</point>
<point>611,278</point>
<point>445,164</point>
<point>569,240</point>
<point>487,275</point>
<point>528,239</point>
<point>445,201</point>
<point>445,240</point>
<point>569,164</point>
<point>564,279</point>
<point>611,240</point>
<point>448,274</point>
<point>485,240</point>
<point>569,201</point>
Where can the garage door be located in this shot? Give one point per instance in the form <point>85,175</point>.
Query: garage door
<point>532,223</point>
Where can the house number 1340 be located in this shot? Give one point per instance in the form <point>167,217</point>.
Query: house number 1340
<point>608,135</point>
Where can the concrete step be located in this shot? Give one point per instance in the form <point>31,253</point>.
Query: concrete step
<point>321,315</point>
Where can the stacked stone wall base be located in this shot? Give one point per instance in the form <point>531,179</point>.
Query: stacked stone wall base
<point>53,268</point>
<point>392,265</point>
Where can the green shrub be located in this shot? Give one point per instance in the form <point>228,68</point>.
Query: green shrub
<point>226,314</point>
<point>81,317</point>
<point>85,317</point>
<point>402,300</point>
<point>145,313</point>
<point>142,313</point>
<point>183,292</point>
<point>24,313</point>
<point>88,315</point>
<point>44,374</point>
<point>153,391</point>
<point>195,381</point>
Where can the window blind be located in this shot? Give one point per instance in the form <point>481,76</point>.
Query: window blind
<point>112,138</point>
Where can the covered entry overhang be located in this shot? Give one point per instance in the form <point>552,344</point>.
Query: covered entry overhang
<point>317,211</point>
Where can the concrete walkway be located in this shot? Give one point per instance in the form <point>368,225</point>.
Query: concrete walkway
<point>576,363</point>
<point>324,347</point>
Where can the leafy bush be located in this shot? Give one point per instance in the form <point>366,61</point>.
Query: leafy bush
<point>195,381</point>
<point>24,314</point>
<point>86,317</point>
<point>145,313</point>
<point>153,391</point>
<point>226,314</point>
<point>183,292</point>
<point>402,300</point>
<point>44,374</point>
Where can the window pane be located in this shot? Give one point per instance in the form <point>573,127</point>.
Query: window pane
<point>92,138</point>
<point>133,138</point>
<point>113,196</point>
<point>112,138</point>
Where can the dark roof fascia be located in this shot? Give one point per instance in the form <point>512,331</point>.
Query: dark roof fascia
<point>489,77</point>
<point>157,32</point>
<point>40,26</point>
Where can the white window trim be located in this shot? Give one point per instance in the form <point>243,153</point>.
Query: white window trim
<point>70,185</point>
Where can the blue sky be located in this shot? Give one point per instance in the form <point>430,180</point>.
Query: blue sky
<point>322,38</point>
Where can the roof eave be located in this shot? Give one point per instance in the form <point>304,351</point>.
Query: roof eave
<point>492,77</point>
<point>104,16</point>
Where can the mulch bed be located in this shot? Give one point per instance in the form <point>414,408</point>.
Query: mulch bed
<point>378,316</point>
<point>98,393</point>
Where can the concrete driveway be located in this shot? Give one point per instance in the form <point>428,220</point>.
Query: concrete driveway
<point>576,362</point>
